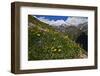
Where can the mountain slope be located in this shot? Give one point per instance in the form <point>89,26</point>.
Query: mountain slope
<point>44,43</point>
<point>72,31</point>
<point>78,33</point>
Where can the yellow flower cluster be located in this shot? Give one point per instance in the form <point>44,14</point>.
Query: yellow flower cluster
<point>54,49</point>
<point>59,50</point>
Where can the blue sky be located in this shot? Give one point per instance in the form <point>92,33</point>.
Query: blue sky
<point>53,17</point>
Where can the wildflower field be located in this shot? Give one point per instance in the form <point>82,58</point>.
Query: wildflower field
<point>46,43</point>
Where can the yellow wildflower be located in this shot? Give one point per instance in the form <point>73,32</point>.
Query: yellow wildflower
<point>38,34</point>
<point>59,50</point>
<point>55,50</point>
<point>52,48</point>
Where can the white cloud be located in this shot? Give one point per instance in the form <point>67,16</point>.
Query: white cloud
<point>70,21</point>
<point>51,22</point>
<point>58,22</point>
<point>76,20</point>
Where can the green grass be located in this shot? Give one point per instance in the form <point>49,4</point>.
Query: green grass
<point>45,43</point>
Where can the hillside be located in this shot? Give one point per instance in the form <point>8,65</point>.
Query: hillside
<point>45,43</point>
<point>77,33</point>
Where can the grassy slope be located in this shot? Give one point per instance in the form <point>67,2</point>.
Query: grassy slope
<point>46,43</point>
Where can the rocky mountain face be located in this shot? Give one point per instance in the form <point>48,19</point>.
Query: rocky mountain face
<point>73,30</point>
<point>84,27</point>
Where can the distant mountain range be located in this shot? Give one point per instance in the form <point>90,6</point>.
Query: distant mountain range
<point>70,21</point>
<point>72,30</point>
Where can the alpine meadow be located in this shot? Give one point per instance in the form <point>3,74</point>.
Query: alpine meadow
<point>57,37</point>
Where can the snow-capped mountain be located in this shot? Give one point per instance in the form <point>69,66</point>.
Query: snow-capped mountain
<point>71,20</point>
